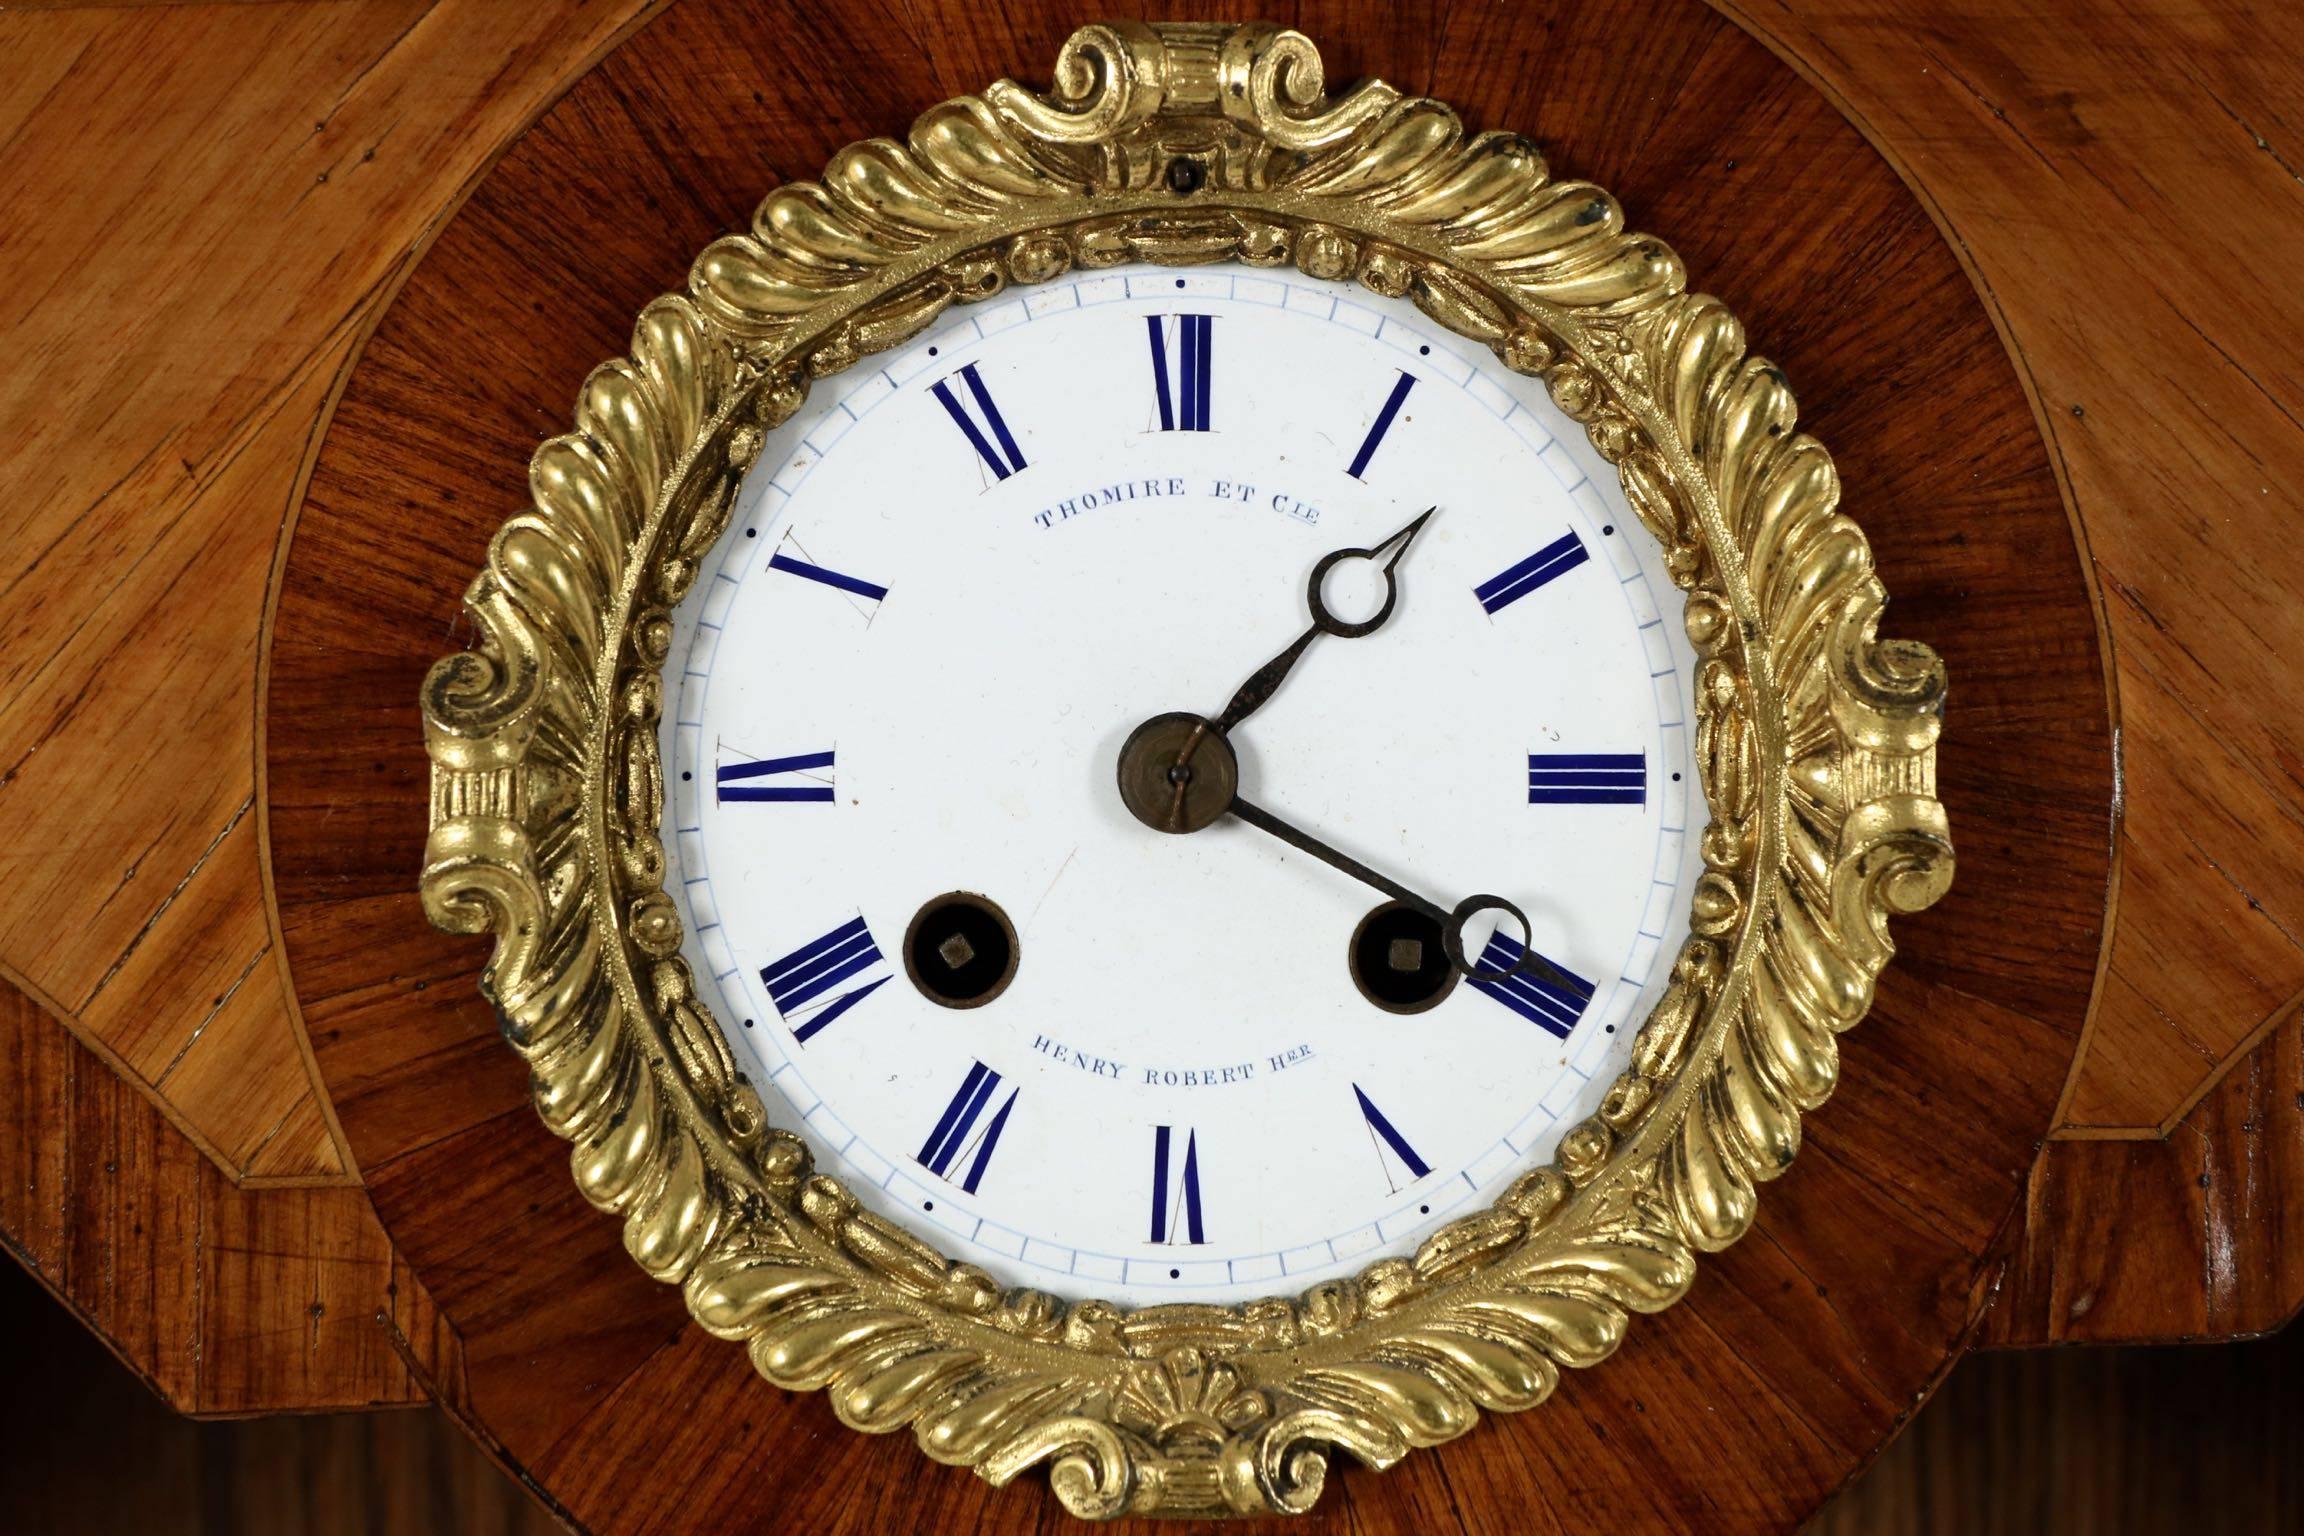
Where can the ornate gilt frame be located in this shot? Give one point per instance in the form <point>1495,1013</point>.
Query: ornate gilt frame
<point>1183,144</point>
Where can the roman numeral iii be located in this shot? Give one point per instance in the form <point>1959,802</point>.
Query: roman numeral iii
<point>956,1151</point>
<point>799,983</point>
<point>807,779</point>
<point>1181,369</point>
<point>980,421</point>
<point>1175,1187</point>
<point>1552,1002</point>
<point>1587,778</point>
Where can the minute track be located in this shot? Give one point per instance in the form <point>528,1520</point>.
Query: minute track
<point>1161,976</point>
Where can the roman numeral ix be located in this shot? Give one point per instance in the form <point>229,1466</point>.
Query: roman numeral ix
<point>802,783</point>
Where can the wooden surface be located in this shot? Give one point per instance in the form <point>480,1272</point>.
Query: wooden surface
<point>209,201</point>
<point>2197,1235</point>
<point>2112,1442</point>
<point>206,205</point>
<point>2127,185</point>
<point>85,1451</point>
<point>2045,1443</point>
<point>1800,1351</point>
<point>221,1299</point>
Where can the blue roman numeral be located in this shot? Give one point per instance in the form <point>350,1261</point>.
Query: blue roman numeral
<point>1183,398</point>
<point>797,984</point>
<point>801,568</point>
<point>1555,559</point>
<point>1382,1129</point>
<point>1587,778</point>
<point>731,780</point>
<point>1375,437</point>
<point>1187,1185</point>
<point>1553,1002</point>
<point>998,450</point>
<point>956,1134</point>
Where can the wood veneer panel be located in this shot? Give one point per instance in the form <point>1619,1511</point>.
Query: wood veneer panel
<point>204,202</point>
<point>2198,1235</point>
<point>1799,1351</point>
<point>2125,182</point>
<point>225,1301</point>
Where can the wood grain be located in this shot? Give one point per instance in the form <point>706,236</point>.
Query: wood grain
<point>223,1300</point>
<point>1801,1350</point>
<point>85,1449</point>
<point>2135,1442</point>
<point>2198,1234</point>
<point>206,203</point>
<point>189,283</point>
<point>2125,183</point>
<point>2125,186</point>
<point>2139,1442</point>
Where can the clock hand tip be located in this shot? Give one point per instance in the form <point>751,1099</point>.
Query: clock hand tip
<point>1405,537</point>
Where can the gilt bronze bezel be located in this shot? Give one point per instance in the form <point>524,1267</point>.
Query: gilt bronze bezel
<point>1183,144</point>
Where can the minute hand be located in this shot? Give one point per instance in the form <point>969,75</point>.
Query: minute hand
<point>1451,922</point>
<point>1266,679</point>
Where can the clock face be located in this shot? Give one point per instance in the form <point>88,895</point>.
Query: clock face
<point>1091,1054</point>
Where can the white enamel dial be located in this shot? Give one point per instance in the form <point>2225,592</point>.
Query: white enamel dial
<point>963,574</point>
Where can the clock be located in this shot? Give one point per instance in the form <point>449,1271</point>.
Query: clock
<point>1183,773</point>
<point>981,601</point>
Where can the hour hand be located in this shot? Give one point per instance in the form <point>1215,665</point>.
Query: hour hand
<point>1265,680</point>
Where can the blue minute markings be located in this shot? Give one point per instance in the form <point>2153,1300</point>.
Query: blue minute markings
<point>1554,778</point>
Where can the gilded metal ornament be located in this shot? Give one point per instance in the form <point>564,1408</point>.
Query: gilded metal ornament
<point>1183,144</point>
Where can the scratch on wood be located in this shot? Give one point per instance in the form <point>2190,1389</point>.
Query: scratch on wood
<point>1998,112</point>
<point>382,54</point>
<point>210,1017</point>
<point>2238,367</point>
<point>2245,894</point>
<point>2256,138</point>
<point>165,903</point>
